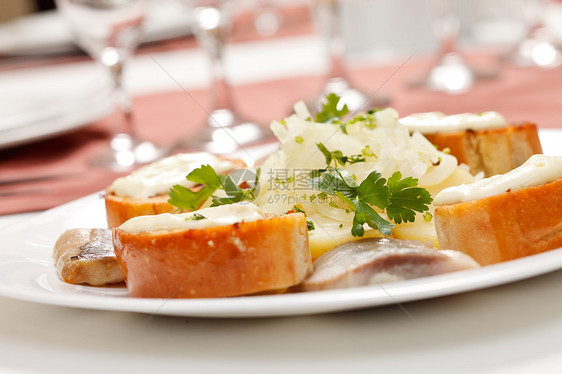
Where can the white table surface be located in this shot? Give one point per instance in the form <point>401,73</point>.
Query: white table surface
<point>515,328</point>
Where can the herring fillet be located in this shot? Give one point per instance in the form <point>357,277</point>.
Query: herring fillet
<point>86,256</point>
<point>381,260</point>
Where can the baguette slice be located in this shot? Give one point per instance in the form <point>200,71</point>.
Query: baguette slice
<point>503,227</point>
<point>237,259</point>
<point>119,209</point>
<point>493,151</point>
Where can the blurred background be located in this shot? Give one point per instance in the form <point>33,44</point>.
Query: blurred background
<point>383,28</point>
<point>452,56</point>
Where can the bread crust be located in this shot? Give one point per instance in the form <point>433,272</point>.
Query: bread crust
<point>492,151</point>
<point>231,260</point>
<point>120,209</point>
<point>503,227</point>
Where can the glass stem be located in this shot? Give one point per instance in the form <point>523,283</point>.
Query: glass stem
<point>447,27</point>
<point>123,129</point>
<point>220,89</point>
<point>333,32</point>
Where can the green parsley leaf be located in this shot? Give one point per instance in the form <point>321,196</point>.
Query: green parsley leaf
<point>399,197</point>
<point>205,175</point>
<point>330,109</point>
<point>332,180</point>
<point>373,190</point>
<point>365,214</point>
<point>406,199</point>
<point>184,198</point>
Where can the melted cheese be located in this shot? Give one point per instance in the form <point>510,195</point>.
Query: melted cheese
<point>204,218</point>
<point>158,177</point>
<point>432,122</point>
<point>537,170</point>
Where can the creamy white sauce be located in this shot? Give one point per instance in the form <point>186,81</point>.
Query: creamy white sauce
<point>537,170</point>
<point>215,216</point>
<point>158,177</point>
<point>433,122</point>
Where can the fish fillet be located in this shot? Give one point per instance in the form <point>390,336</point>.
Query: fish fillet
<point>86,256</point>
<point>381,260</point>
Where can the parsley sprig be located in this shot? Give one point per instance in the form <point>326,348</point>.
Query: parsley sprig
<point>330,111</point>
<point>400,198</point>
<point>338,157</point>
<point>184,198</point>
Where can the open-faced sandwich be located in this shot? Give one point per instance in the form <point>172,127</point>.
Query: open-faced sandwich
<point>485,141</point>
<point>504,217</point>
<point>228,250</point>
<point>145,191</point>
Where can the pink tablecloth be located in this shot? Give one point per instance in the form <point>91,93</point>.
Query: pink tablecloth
<point>519,94</point>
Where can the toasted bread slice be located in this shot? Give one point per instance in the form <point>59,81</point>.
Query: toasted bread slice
<point>237,259</point>
<point>122,208</point>
<point>493,151</point>
<point>503,227</point>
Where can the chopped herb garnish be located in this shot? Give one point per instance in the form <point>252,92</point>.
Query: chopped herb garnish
<point>343,127</point>
<point>195,217</point>
<point>368,152</point>
<point>299,139</point>
<point>298,209</point>
<point>399,197</point>
<point>337,156</point>
<point>330,111</point>
<point>184,198</point>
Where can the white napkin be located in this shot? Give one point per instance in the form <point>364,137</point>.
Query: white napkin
<point>35,103</point>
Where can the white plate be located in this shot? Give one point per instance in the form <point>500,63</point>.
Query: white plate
<point>27,273</point>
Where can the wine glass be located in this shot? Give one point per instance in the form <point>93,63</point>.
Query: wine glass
<point>328,14</point>
<point>268,18</point>
<point>109,31</point>
<point>450,73</point>
<point>226,130</point>
<point>536,48</point>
